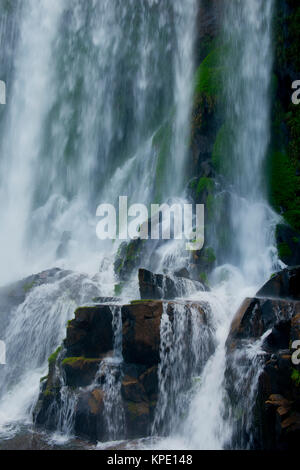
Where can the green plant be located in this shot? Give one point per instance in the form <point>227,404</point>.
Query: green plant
<point>53,357</point>
<point>296,377</point>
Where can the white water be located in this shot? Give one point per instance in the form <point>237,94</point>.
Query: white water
<point>76,136</point>
<point>34,330</point>
<point>253,258</point>
<point>93,82</point>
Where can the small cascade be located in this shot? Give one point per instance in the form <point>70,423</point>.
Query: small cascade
<point>34,330</point>
<point>185,345</point>
<point>109,377</point>
<point>245,368</point>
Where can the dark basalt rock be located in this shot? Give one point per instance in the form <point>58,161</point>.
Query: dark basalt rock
<point>80,371</point>
<point>14,294</point>
<point>257,315</point>
<point>161,286</point>
<point>141,332</point>
<point>141,328</point>
<point>78,366</point>
<point>285,284</point>
<point>275,417</point>
<point>89,415</point>
<point>83,333</point>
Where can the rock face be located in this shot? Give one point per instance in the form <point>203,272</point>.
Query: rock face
<point>285,284</point>
<point>12,295</point>
<point>160,286</point>
<point>84,331</point>
<point>270,381</point>
<point>85,373</point>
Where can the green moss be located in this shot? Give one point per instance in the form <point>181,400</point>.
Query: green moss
<point>203,278</point>
<point>72,361</point>
<point>30,285</point>
<point>285,187</point>
<point>136,302</point>
<point>209,255</point>
<point>221,155</point>
<point>42,379</point>
<point>118,289</point>
<point>296,377</point>
<point>53,357</point>
<point>208,77</point>
<point>205,184</point>
<point>284,251</point>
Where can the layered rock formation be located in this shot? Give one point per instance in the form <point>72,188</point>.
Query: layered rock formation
<point>267,416</point>
<point>88,370</point>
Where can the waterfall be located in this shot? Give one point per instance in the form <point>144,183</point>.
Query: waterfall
<point>247,63</point>
<point>98,107</point>
<point>34,330</point>
<point>185,346</point>
<point>248,33</point>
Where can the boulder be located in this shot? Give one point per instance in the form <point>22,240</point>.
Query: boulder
<point>90,334</point>
<point>141,328</point>
<point>257,315</point>
<point>80,371</point>
<point>264,390</point>
<point>83,369</point>
<point>161,286</point>
<point>89,415</point>
<point>285,284</point>
<point>141,332</point>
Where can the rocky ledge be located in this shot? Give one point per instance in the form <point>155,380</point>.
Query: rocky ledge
<point>86,369</point>
<point>270,324</point>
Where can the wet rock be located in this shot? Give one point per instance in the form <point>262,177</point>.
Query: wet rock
<point>183,272</point>
<point>15,293</point>
<point>89,415</point>
<point>257,315</point>
<point>141,328</point>
<point>273,422</point>
<point>160,286</point>
<point>141,332</point>
<point>80,371</point>
<point>285,284</point>
<point>90,334</point>
<point>79,368</point>
<point>137,416</point>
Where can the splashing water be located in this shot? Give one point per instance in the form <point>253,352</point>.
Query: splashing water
<point>83,126</point>
<point>98,107</point>
<point>252,257</point>
<point>34,330</point>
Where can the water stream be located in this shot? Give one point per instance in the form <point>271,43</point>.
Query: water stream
<point>100,96</point>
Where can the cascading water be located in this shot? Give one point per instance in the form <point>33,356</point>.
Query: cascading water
<point>185,346</point>
<point>97,93</point>
<point>99,105</point>
<point>252,258</point>
<point>34,329</point>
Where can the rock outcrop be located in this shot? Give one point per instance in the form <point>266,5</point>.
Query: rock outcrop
<point>268,415</point>
<point>161,286</point>
<point>86,369</point>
